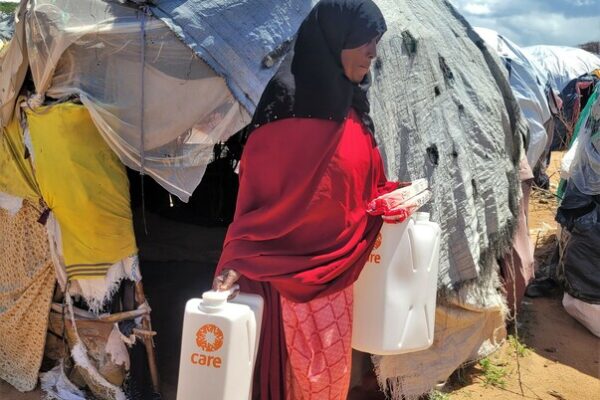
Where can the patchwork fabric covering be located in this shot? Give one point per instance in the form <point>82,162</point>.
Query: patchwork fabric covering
<point>26,286</point>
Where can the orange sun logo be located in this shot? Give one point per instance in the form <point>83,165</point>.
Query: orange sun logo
<point>377,242</point>
<point>209,338</point>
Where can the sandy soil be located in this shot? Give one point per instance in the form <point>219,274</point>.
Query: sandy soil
<point>562,360</point>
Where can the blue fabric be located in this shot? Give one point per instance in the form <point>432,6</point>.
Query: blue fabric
<point>234,36</point>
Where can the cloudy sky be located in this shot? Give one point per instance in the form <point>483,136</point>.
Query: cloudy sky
<point>529,22</point>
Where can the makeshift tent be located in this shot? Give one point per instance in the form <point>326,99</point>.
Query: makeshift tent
<point>563,63</point>
<point>579,214</point>
<point>441,102</point>
<point>575,97</point>
<point>530,86</point>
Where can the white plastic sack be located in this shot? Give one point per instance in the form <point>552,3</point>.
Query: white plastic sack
<point>587,314</point>
<point>567,160</point>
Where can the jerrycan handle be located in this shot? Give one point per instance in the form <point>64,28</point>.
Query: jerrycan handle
<point>216,299</point>
<point>252,342</point>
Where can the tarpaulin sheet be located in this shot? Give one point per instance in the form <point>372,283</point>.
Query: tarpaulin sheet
<point>563,63</point>
<point>528,82</point>
<point>234,36</point>
<point>86,187</point>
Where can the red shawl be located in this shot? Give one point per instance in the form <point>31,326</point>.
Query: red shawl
<point>300,228</point>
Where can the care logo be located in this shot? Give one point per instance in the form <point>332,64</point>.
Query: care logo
<point>375,258</point>
<point>377,241</point>
<point>209,338</point>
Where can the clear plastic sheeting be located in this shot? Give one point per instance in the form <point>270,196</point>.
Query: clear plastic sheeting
<point>158,106</point>
<point>13,63</point>
<point>528,82</point>
<point>585,169</point>
<point>563,63</point>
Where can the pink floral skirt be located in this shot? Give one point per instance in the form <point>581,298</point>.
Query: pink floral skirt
<point>318,338</point>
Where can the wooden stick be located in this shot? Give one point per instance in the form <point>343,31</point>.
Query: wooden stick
<point>143,333</point>
<point>122,316</point>
<point>117,317</point>
<point>77,311</point>
<point>148,340</point>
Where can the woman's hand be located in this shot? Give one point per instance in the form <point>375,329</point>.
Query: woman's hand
<point>225,280</point>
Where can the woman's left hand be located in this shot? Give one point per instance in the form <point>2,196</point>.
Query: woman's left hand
<point>225,280</point>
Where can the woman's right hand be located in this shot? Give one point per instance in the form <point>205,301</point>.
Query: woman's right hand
<point>225,280</point>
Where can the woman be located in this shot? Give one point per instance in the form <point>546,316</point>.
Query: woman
<point>301,235</point>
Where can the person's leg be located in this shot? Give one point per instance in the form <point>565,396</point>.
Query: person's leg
<point>318,339</point>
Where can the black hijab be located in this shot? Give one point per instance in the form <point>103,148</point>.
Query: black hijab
<point>310,82</point>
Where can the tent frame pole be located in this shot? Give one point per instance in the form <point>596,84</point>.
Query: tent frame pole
<point>140,298</point>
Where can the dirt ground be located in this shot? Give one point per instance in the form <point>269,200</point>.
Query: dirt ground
<point>562,358</point>
<point>560,361</point>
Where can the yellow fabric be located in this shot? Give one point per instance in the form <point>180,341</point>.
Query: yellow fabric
<point>16,174</point>
<point>596,72</point>
<point>86,187</point>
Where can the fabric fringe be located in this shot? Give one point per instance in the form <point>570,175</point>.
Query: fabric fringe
<point>56,386</point>
<point>81,359</point>
<point>79,354</point>
<point>97,292</point>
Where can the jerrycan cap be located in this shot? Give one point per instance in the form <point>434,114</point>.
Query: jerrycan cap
<point>422,216</point>
<point>213,299</point>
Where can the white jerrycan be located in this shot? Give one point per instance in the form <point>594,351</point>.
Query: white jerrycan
<point>395,294</point>
<point>219,346</point>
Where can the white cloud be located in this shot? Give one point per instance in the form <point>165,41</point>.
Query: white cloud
<point>477,9</point>
<point>529,22</point>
